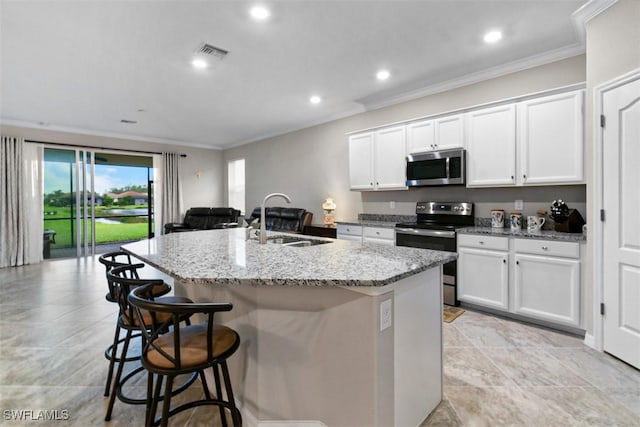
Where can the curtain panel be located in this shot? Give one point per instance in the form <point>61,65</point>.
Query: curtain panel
<point>171,188</point>
<point>21,220</point>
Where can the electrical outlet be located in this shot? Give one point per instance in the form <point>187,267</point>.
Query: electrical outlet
<point>385,315</point>
<point>519,205</point>
<point>392,205</point>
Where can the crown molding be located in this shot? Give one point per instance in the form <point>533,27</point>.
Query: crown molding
<point>588,11</point>
<point>93,132</point>
<point>487,74</point>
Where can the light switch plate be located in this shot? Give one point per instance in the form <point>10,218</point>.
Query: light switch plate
<point>385,315</point>
<point>519,205</point>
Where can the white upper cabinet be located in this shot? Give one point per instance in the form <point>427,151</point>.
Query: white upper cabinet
<point>550,139</point>
<point>377,160</point>
<point>534,142</point>
<point>449,132</point>
<point>421,136</point>
<point>361,161</point>
<point>436,134</point>
<point>491,146</point>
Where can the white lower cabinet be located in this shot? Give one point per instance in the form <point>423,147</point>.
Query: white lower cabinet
<point>380,235</point>
<point>529,277</point>
<point>349,232</point>
<point>367,234</point>
<point>546,286</point>
<point>483,277</point>
<point>483,270</point>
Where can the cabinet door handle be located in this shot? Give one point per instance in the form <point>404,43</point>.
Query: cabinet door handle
<point>371,184</point>
<point>378,233</point>
<point>504,261</point>
<point>524,176</point>
<point>481,242</point>
<point>517,262</point>
<point>544,248</point>
<point>512,177</point>
<point>377,183</point>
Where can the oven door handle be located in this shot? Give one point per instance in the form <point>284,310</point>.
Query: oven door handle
<point>429,233</point>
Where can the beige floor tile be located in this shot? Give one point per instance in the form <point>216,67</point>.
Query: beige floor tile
<point>528,366</point>
<point>465,366</point>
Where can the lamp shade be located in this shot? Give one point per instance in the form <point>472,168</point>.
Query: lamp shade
<point>328,204</point>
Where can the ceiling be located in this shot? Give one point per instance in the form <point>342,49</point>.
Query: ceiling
<point>84,66</point>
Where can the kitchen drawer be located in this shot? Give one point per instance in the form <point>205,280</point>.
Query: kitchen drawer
<point>483,242</point>
<point>547,247</point>
<point>351,230</point>
<point>379,233</point>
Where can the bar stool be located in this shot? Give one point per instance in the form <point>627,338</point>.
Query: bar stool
<point>111,260</point>
<point>185,349</point>
<point>122,279</point>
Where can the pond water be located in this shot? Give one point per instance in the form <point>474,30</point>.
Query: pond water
<point>138,211</point>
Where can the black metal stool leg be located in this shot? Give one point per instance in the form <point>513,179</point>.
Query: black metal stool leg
<point>148,418</point>
<point>116,382</point>
<point>154,402</point>
<point>216,376</point>
<point>112,360</point>
<point>235,413</point>
<point>166,404</point>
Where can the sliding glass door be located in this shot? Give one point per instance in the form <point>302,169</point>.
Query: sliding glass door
<point>95,201</point>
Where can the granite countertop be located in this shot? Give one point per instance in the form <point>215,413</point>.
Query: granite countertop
<point>369,223</point>
<point>378,220</point>
<point>543,234</point>
<point>225,257</point>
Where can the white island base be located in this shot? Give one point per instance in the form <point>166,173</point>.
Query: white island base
<point>313,355</point>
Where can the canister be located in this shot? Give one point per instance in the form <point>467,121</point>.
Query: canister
<point>515,221</point>
<point>497,218</point>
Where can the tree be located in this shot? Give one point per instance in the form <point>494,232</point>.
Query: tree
<point>125,201</point>
<point>107,201</point>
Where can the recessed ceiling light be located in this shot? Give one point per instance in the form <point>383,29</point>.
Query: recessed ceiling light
<point>383,75</point>
<point>199,63</point>
<point>492,36</point>
<point>315,99</point>
<point>259,12</point>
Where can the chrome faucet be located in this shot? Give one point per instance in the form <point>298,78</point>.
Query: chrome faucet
<point>263,219</point>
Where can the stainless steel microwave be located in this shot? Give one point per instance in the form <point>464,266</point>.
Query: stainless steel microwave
<point>443,167</point>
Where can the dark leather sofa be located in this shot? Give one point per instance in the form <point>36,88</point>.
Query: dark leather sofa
<point>290,220</point>
<point>205,219</point>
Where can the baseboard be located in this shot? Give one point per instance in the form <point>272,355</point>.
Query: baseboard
<point>249,420</point>
<point>590,341</point>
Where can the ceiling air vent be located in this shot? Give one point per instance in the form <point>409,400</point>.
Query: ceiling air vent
<point>216,52</point>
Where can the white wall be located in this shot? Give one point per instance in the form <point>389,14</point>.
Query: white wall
<point>312,164</point>
<point>205,190</point>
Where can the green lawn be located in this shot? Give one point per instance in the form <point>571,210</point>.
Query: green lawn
<point>131,228</point>
<point>51,212</point>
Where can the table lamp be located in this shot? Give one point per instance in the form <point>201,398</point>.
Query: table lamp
<point>329,206</point>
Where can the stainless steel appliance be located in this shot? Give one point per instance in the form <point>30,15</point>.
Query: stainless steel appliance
<point>435,228</point>
<point>443,167</point>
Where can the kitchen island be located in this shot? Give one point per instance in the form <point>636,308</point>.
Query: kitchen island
<point>336,334</point>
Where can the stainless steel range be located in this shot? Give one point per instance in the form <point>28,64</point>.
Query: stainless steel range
<point>435,228</point>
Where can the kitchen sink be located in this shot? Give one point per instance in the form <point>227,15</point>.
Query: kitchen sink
<point>294,241</point>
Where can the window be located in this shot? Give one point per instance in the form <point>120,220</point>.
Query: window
<point>235,184</point>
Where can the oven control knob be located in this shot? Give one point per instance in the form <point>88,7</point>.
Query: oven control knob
<point>456,208</point>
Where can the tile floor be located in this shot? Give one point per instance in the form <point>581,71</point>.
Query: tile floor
<point>55,324</point>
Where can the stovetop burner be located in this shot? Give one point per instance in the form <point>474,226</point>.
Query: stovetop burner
<point>442,216</point>
<point>430,226</point>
